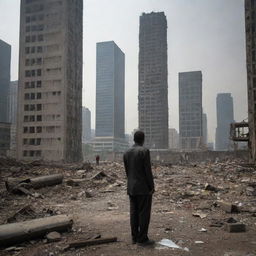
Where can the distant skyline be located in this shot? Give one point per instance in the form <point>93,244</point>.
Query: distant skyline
<point>203,35</point>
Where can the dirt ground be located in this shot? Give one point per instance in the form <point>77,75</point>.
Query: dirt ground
<point>99,206</point>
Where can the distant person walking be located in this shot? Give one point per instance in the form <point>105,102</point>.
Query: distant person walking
<point>140,188</point>
<point>97,160</point>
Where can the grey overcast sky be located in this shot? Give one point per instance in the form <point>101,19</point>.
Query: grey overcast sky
<point>207,35</point>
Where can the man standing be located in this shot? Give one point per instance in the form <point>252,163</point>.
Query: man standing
<point>140,187</point>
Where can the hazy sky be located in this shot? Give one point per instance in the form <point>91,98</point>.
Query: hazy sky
<point>205,35</point>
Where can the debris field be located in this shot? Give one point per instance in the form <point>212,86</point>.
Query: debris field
<point>203,209</point>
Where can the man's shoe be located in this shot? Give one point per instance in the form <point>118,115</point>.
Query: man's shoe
<point>147,243</point>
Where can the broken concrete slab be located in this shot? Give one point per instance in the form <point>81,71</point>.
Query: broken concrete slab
<point>228,207</point>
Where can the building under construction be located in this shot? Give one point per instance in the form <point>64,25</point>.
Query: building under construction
<point>153,84</point>
<point>49,125</point>
<point>250,27</point>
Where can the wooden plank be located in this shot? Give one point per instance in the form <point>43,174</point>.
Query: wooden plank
<point>81,243</point>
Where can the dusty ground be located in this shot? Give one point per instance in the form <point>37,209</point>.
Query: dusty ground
<point>99,205</point>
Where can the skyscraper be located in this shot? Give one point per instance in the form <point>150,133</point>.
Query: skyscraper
<point>109,97</point>
<point>190,110</point>
<point>153,83</point>
<point>250,25</point>
<point>13,101</point>
<point>205,130</point>
<point>86,125</point>
<point>225,116</point>
<point>5,62</point>
<point>50,80</point>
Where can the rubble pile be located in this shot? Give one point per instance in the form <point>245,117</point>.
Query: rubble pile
<point>220,194</point>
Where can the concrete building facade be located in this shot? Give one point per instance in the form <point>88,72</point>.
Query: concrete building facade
<point>87,136</point>
<point>225,116</point>
<point>13,101</point>
<point>49,125</point>
<point>110,97</point>
<point>4,138</point>
<point>205,130</point>
<point>190,110</point>
<point>153,80</point>
<point>250,28</point>
<point>5,64</point>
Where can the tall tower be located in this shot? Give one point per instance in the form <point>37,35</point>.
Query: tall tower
<point>190,110</point>
<point>110,103</point>
<point>250,28</point>
<point>50,80</point>
<point>205,130</point>
<point>86,125</point>
<point>225,116</point>
<point>5,63</point>
<point>153,83</point>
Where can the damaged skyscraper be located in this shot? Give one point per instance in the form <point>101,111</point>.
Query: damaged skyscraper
<point>225,116</point>
<point>190,110</point>
<point>250,28</point>
<point>50,80</point>
<point>153,83</point>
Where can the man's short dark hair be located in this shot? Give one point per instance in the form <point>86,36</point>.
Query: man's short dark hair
<point>139,137</point>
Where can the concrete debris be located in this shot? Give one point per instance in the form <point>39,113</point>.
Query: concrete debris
<point>234,227</point>
<point>53,237</point>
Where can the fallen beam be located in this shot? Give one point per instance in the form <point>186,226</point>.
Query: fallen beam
<point>81,243</point>
<point>13,185</point>
<point>14,233</point>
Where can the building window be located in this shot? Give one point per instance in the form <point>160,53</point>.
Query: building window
<point>38,141</point>
<point>26,107</point>
<point>39,49</point>
<point>26,118</point>
<point>27,73</point>
<point>25,129</point>
<point>33,73</point>
<point>32,96</point>
<point>27,19</point>
<point>27,62</point>
<point>27,28</point>
<point>31,129</point>
<point>39,95</point>
<point>39,61</point>
<point>33,49</point>
<point>39,129</point>
<point>27,39</point>
<point>39,72</point>
<point>26,85</point>
<point>25,141</point>
<point>26,96</point>
<point>32,84</point>
<point>40,38</point>
<point>39,107</point>
<point>32,107</point>
<point>25,153</point>
<point>31,118</point>
<point>27,50</point>
<point>39,84</point>
<point>39,118</point>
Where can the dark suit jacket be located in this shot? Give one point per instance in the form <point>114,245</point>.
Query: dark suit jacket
<point>138,171</point>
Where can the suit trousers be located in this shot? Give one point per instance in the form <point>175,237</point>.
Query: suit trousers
<point>140,210</point>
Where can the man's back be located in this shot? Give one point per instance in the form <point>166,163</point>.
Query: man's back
<point>138,171</point>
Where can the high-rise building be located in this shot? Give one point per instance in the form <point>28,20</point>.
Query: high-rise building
<point>50,80</point>
<point>5,63</point>
<point>173,139</point>
<point>86,125</point>
<point>110,102</point>
<point>205,130</point>
<point>190,110</point>
<point>153,82</point>
<point>250,25</point>
<point>225,116</point>
<point>13,101</point>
